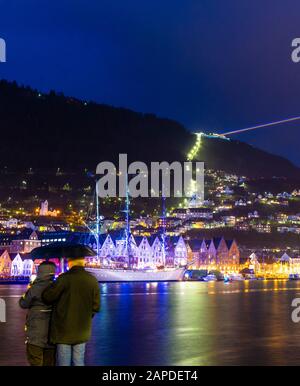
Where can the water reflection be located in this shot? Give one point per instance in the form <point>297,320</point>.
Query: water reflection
<point>187,323</point>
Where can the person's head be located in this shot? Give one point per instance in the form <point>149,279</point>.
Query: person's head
<point>46,270</point>
<point>78,262</point>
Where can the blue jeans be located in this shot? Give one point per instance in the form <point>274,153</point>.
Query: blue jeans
<point>70,355</point>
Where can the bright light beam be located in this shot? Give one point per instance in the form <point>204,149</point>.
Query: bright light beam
<point>264,125</point>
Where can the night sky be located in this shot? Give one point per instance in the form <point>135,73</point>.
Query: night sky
<point>210,64</point>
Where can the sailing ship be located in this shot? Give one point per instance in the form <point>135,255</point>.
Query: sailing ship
<point>131,275</point>
<point>126,253</point>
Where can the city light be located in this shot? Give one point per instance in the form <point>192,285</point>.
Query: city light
<point>196,147</point>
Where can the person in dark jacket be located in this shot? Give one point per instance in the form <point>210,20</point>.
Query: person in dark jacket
<point>39,351</point>
<point>75,297</point>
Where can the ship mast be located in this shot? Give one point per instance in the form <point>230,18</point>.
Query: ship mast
<point>97,224</point>
<point>127,227</point>
<point>163,235</point>
<point>96,233</point>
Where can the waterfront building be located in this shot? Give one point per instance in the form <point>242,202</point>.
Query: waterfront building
<point>254,263</point>
<point>169,249</point>
<point>28,266</point>
<point>233,253</point>
<point>5,263</point>
<point>295,265</point>
<point>194,253</point>
<point>285,258</point>
<point>203,255</point>
<point>108,248</point>
<point>21,265</point>
<point>144,254</point>
<point>180,252</point>
<point>222,254</point>
<point>17,265</point>
<point>215,253</point>
<point>25,242</point>
<point>211,252</point>
<point>157,252</point>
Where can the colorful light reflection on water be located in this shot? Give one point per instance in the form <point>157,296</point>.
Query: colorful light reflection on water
<point>185,323</point>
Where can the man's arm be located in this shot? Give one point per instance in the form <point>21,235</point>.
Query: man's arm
<point>26,300</point>
<point>52,293</point>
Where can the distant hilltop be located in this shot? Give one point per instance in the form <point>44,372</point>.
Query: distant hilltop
<point>243,159</point>
<point>51,131</point>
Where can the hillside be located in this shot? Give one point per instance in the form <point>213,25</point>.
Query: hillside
<point>47,131</point>
<point>243,159</point>
<point>50,131</point>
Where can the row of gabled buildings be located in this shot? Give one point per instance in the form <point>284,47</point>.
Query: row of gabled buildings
<point>216,252</point>
<point>15,264</point>
<point>148,252</point>
<point>142,252</point>
<point>139,252</point>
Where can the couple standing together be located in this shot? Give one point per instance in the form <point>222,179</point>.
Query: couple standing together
<point>60,313</point>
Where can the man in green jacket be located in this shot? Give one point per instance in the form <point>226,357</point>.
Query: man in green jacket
<point>75,297</point>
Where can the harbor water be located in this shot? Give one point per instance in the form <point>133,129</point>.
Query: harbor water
<point>179,323</point>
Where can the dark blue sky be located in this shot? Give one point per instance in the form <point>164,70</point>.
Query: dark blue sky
<point>210,64</point>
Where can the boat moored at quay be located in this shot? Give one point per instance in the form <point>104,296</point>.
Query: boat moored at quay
<point>126,260</point>
<point>131,275</point>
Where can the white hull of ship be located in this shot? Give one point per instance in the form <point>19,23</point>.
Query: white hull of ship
<point>119,275</point>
